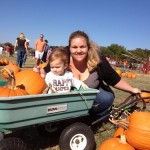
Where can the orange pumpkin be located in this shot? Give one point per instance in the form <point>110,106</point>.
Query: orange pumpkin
<point>11,89</point>
<point>2,62</point>
<point>30,81</point>
<point>115,144</point>
<point>42,65</point>
<point>138,132</point>
<point>10,66</point>
<point>145,94</point>
<point>119,132</point>
<point>123,74</point>
<point>6,61</point>
<point>133,76</point>
<point>129,75</point>
<point>7,92</point>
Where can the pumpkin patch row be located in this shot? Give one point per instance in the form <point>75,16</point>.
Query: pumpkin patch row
<point>128,74</point>
<point>4,62</point>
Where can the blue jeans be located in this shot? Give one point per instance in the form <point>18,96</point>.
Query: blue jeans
<point>25,58</point>
<point>104,99</point>
<point>20,57</point>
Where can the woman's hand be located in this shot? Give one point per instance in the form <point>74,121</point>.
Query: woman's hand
<point>124,86</point>
<point>136,90</point>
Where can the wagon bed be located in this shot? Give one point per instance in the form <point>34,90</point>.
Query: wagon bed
<point>21,111</point>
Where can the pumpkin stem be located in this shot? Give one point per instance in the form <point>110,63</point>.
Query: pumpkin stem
<point>123,139</point>
<point>11,83</point>
<point>124,123</point>
<point>49,87</point>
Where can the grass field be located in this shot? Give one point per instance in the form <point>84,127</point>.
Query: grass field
<point>103,130</point>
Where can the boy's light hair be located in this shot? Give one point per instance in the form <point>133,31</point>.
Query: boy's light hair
<point>59,53</point>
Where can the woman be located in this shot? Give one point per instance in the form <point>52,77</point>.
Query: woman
<point>22,49</point>
<point>94,70</point>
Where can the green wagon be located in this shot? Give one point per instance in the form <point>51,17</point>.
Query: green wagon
<point>43,110</point>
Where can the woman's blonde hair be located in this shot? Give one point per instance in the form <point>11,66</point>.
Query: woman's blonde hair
<point>93,58</point>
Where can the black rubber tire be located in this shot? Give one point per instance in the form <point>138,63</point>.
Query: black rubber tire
<point>48,130</point>
<point>12,144</point>
<point>76,137</point>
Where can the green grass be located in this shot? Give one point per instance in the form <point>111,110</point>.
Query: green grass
<point>103,131</point>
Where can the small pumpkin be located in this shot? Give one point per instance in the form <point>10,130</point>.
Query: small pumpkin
<point>123,74</point>
<point>129,75</point>
<point>119,132</point>
<point>30,81</point>
<point>2,62</point>
<point>145,94</point>
<point>133,76</point>
<point>42,65</point>
<point>11,66</point>
<point>6,61</point>
<point>11,89</point>
<point>115,144</point>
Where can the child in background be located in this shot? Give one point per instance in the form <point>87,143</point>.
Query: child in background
<point>48,54</point>
<point>59,79</point>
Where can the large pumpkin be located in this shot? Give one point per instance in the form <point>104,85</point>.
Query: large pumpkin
<point>31,81</point>
<point>115,144</point>
<point>10,66</point>
<point>138,132</point>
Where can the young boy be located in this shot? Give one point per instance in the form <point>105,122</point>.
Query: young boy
<point>59,79</point>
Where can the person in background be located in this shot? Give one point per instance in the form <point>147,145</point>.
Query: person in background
<point>45,51</point>
<point>21,48</point>
<point>108,58</point>
<point>1,50</point>
<point>25,56</point>
<point>59,78</point>
<point>92,68</point>
<point>39,50</point>
<point>48,53</point>
<point>8,50</point>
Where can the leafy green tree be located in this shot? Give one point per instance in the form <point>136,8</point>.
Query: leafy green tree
<point>117,51</point>
<point>106,51</point>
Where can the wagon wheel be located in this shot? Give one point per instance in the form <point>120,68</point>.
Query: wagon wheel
<point>12,144</point>
<point>49,129</point>
<point>77,136</point>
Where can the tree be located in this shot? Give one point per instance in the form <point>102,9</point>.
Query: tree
<point>117,51</point>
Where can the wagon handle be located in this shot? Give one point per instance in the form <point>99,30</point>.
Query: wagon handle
<point>123,105</point>
<point>145,91</point>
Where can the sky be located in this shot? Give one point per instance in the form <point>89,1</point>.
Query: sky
<point>122,22</point>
